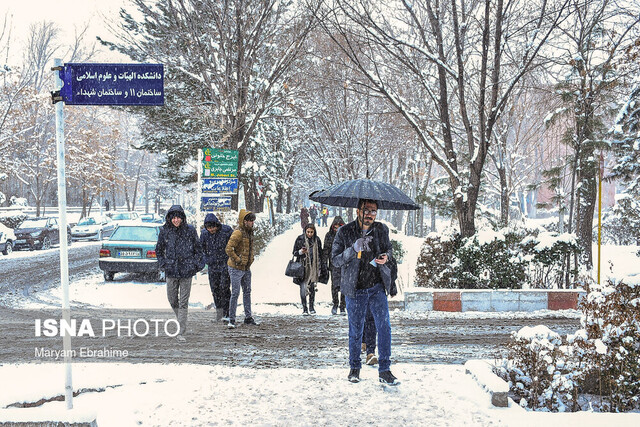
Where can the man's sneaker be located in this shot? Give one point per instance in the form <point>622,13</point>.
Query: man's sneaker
<point>305,313</point>
<point>354,376</point>
<point>231,324</point>
<point>387,378</point>
<point>334,310</point>
<point>312,311</point>
<point>343,312</point>
<point>371,359</point>
<point>250,321</point>
<point>181,338</point>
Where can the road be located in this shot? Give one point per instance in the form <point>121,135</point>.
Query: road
<point>280,340</point>
<point>24,272</point>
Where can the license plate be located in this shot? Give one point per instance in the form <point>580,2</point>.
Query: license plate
<point>129,254</point>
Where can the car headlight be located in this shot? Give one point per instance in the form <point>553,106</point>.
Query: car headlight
<point>35,233</point>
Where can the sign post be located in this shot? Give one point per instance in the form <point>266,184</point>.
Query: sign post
<point>93,84</point>
<point>218,180</point>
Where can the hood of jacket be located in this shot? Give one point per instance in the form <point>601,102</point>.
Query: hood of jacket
<point>243,213</point>
<point>337,220</point>
<point>211,218</point>
<point>175,210</point>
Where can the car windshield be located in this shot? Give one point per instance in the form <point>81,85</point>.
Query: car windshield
<point>120,216</point>
<point>87,221</point>
<point>34,223</point>
<point>144,234</point>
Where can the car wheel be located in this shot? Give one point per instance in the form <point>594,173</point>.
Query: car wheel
<point>108,275</point>
<point>69,240</point>
<point>8,248</point>
<point>46,243</point>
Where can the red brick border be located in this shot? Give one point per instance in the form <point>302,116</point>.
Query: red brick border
<point>562,300</point>
<point>447,301</point>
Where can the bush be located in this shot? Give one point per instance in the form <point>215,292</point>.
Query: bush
<point>602,358</point>
<point>510,258</point>
<point>621,224</point>
<point>437,253</point>
<point>12,219</point>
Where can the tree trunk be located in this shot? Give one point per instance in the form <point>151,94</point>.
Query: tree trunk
<point>504,197</point>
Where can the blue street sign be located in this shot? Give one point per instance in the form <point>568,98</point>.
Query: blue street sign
<point>112,84</point>
<point>220,185</point>
<point>216,203</point>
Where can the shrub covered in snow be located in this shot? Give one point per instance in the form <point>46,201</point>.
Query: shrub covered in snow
<point>12,219</point>
<point>621,224</point>
<point>510,258</point>
<point>547,372</point>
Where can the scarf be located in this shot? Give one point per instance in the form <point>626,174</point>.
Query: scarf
<point>311,262</point>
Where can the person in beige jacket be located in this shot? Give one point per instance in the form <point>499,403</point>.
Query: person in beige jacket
<point>240,251</point>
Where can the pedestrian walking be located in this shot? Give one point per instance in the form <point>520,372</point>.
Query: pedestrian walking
<point>308,249</point>
<point>179,254</point>
<point>240,252</point>
<point>336,296</point>
<point>214,238</point>
<point>304,217</point>
<point>313,213</point>
<point>361,250</point>
<point>325,215</point>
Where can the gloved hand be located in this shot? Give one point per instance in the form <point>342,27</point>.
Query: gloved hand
<point>362,244</point>
<point>393,291</point>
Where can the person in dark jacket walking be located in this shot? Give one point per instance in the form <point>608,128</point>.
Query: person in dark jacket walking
<point>304,217</point>
<point>180,256</point>
<point>240,252</point>
<point>362,250</point>
<point>214,238</point>
<point>336,295</point>
<point>308,249</point>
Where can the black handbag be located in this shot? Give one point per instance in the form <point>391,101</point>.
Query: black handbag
<point>294,269</point>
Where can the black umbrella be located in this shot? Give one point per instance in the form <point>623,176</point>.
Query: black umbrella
<point>346,194</point>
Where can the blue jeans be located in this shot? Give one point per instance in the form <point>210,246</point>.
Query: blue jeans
<point>374,299</point>
<point>240,278</point>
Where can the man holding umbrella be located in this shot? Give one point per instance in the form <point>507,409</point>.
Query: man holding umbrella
<point>362,250</point>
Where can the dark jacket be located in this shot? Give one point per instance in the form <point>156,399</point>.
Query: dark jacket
<point>178,249</point>
<point>346,258</point>
<point>214,245</point>
<point>323,274</point>
<point>240,246</point>
<point>328,239</point>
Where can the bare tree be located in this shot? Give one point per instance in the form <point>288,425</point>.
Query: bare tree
<point>449,68</point>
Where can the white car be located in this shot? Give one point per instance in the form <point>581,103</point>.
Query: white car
<point>128,218</point>
<point>7,239</point>
<point>93,227</point>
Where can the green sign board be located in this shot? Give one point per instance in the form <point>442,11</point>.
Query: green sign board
<point>219,163</point>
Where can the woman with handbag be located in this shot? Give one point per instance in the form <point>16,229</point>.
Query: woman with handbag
<point>308,250</point>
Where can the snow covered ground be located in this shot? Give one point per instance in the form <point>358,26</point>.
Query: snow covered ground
<point>134,394</point>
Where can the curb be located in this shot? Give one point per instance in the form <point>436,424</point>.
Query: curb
<point>498,388</point>
<point>40,417</point>
<point>458,300</point>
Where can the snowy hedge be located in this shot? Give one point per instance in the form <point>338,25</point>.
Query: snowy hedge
<point>12,219</point>
<point>510,258</point>
<point>548,372</point>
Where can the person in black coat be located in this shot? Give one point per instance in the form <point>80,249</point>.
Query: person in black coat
<point>179,254</point>
<point>336,296</point>
<point>214,238</point>
<point>308,250</point>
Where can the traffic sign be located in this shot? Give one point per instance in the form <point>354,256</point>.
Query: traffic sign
<point>215,203</point>
<point>220,185</point>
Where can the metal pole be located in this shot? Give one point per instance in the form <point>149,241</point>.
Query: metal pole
<point>199,186</point>
<point>600,173</point>
<point>64,255</point>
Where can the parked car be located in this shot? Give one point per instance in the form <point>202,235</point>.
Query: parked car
<point>131,249</point>
<point>152,217</point>
<point>39,233</point>
<point>124,217</point>
<point>93,227</point>
<point>7,239</point>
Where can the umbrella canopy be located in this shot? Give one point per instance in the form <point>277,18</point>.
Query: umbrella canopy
<point>346,194</point>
